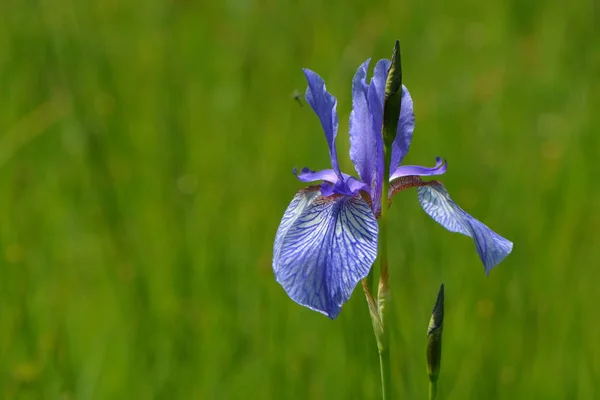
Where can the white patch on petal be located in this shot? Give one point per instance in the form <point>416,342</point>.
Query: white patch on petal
<point>301,200</point>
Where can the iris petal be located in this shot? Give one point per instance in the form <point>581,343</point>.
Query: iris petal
<point>406,121</point>
<point>377,92</point>
<point>302,199</point>
<point>307,175</point>
<point>406,170</point>
<point>376,95</point>
<point>406,126</point>
<point>491,247</point>
<point>349,185</point>
<point>366,142</point>
<point>362,136</point>
<point>323,248</point>
<point>324,105</point>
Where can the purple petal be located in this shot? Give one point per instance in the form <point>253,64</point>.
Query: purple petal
<point>324,246</point>
<point>377,92</point>
<point>348,186</point>
<point>324,105</point>
<point>376,97</point>
<point>302,199</point>
<point>406,126</point>
<point>406,170</point>
<point>362,137</point>
<point>354,185</point>
<point>366,142</point>
<point>331,185</point>
<point>307,175</point>
<point>491,247</point>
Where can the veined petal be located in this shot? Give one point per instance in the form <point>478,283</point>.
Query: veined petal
<point>406,170</point>
<point>302,199</point>
<point>406,126</point>
<point>324,105</point>
<point>323,247</point>
<point>491,247</point>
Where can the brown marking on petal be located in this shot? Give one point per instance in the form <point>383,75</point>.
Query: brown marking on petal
<point>321,198</point>
<point>366,197</point>
<point>310,188</point>
<point>406,182</point>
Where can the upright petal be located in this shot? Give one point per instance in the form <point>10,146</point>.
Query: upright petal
<point>366,123</point>
<point>377,92</point>
<point>491,247</point>
<point>406,121</point>
<point>362,137</point>
<point>323,247</point>
<point>324,105</point>
<point>376,96</point>
<point>406,126</point>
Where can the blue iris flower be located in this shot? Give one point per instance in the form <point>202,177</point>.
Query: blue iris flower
<point>327,240</point>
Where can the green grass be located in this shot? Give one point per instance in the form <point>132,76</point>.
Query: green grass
<point>146,151</point>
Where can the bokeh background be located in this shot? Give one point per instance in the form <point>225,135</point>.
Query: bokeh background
<point>146,150</point>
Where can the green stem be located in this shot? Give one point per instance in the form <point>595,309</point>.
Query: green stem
<point>384,366</point>
<point>391,114</point>
<point>383,294</point>
<point>432,390</point>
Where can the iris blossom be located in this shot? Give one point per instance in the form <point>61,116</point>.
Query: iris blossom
<point>327,240</point>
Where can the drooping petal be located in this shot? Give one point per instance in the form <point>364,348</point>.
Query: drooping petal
<point>303,198</point>
<point>406,126</point>
<point>323,247</point>
<point>324,105</point>
<point>405,170</point>
<point>362,137</point>
<point>491,247</point>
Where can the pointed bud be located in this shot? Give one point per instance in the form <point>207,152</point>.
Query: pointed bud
<point>434,337</point>
<point>393,97</point>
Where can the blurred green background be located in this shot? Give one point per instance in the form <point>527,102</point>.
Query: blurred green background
<point>146,150</point>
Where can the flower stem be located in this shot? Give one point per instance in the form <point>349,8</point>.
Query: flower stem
<point>391,115</point>
<point>383,294</point>
<point>432,390</point>
<point>384,366</point>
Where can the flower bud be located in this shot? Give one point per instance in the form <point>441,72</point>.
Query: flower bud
<point>434,337</point>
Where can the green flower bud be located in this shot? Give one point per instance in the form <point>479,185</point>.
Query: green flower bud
<point>434,337</point>
<point>393,97</point>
